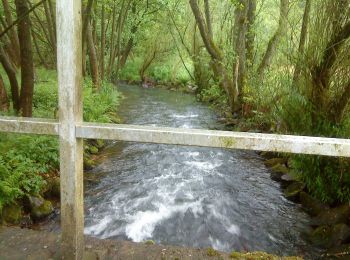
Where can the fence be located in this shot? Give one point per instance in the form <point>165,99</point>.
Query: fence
<point>72,130</point>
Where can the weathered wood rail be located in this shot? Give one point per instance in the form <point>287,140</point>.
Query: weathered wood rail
<point>72,130</point>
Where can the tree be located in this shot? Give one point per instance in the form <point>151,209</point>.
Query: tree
<point>27,66</point>
<point>217,60</point>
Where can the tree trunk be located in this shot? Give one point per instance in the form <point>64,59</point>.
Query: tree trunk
<point>250,36</point>
<point>219,70</point>
<point>12,33</point>
<point>93,57</point>
<point>103,42</point>
<point>207,18</point>
<point>27,67</point>
<point>274,41</point>
<point>4,103</point>
<point>302,42</point>
<point>239,66</point>
<point>11,74</point>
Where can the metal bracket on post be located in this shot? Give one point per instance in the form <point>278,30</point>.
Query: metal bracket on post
<point>69,66</point>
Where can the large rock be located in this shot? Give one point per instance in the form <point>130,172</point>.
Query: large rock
<point>311,205</point>
<point>12,214</point>
<point>278,171</point>
<point>293,190</point>
<point>329,236</point>
<point>332,216</point>
<point>39,208</point>
<point>52,188</point>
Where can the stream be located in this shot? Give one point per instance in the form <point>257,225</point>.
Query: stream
<point>189,196</point>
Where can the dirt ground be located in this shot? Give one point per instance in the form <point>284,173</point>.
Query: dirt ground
<point>17,243</point>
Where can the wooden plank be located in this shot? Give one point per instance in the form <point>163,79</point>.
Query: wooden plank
<point>69,66</point>
<point>219,139</point>
<point>29,125</point>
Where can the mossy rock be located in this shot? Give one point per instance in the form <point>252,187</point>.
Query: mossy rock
<point>149,242</point>
<point>329,236</point>
<point>93,149</point>
<point>311,205</point>
<point>275,161</point>
<point>52,189</point>
<point>293,190</point>
<point>12,214</point>
<point>40,208</point>
<point>278,171</point>
<point>333,216</point>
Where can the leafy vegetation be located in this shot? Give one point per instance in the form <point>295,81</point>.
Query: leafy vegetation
<point>26,160</point>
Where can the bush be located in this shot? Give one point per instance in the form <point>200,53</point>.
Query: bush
<point>23,161</point>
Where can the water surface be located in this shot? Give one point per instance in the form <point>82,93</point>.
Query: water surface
<point>189,196</point>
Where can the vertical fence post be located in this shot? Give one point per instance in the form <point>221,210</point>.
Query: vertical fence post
<point>69,66</point>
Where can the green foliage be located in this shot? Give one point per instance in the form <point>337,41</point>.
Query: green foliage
<point>100,106</point>
<point>23,161</point>
<point>215,95</point>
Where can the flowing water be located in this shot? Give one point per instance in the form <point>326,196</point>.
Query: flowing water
<point>189,196</point>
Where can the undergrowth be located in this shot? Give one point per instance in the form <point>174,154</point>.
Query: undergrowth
<point>25,159</point>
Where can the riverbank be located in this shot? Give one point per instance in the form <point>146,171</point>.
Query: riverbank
<point>16,243</point>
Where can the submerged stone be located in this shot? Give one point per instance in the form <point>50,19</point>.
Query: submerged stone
<point>293,190</point>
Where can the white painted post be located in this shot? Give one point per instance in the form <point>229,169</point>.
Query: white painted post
<point>69,66</point>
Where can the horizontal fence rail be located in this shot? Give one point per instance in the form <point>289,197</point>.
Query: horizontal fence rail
<point>29,125</point>
<point>188,137</point>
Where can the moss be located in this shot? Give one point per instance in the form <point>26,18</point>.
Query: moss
<point>42,211</point>
<point>149,242</point>
<point>227,142</point>
<point>212,252</point>
<point>260,256</point>
<point>93,149</point>
<point>12,214</point>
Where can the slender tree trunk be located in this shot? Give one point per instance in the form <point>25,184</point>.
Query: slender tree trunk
<point>86,21</point>
<point>219,69</point>
<point>50,25</point>
<point>103,42</point>
<point>208,18</point>
<point>250,36</point>
<point>4,103</point>
<point>93,57</point>
<point>239,67</point>
<point>274,41</point>
<point>27,67</point>
<point>12,33</point>
<point>112,40</point>
<point>38,51</point>
<point>302,42</point>
<point>11,74</point>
